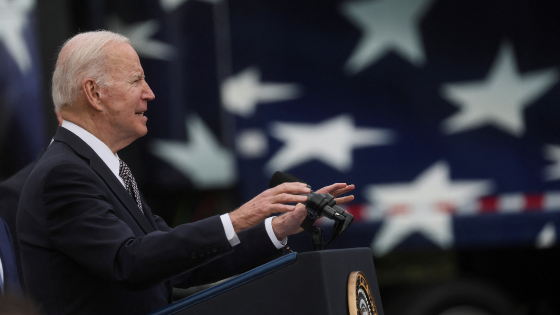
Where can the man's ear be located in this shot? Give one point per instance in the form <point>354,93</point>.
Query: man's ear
<point>92,93</point>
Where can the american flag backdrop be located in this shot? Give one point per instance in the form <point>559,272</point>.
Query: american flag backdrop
<point>445,114</point>
<point>22,126</point>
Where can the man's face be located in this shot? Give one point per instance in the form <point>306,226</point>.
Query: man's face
<point>127,98</point>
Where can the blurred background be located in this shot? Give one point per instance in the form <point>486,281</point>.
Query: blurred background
<point>444,113</point>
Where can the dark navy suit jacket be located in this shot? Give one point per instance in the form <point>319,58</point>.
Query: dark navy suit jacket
<point>8,258</point>
<point>86,248</point>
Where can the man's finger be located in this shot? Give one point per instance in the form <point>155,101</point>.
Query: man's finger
<point>345,199</point>
<point>278,208</point>
<point>331,188</point>
<point>288,198</point>
<point>343,190</point>
<point>292,188</point>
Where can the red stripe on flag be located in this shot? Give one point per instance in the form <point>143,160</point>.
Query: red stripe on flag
<point>534,202</point>
<point>488,204</point>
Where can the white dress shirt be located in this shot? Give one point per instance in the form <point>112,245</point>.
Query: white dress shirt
<point>112,161</point>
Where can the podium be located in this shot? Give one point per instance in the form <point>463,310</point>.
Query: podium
<point>298,283</point>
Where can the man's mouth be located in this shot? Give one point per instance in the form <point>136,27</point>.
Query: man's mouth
<point>140,114</point>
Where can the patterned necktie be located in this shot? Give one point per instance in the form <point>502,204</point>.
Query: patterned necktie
<point>126,175</point>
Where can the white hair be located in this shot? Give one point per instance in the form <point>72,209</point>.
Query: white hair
<point>82,56</point>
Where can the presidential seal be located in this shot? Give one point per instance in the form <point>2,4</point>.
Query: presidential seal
<point>360,299</point>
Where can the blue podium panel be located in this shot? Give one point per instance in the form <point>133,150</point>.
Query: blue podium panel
<point>309,283</point>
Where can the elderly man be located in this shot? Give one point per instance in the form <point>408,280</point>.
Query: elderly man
<point>89,243</point>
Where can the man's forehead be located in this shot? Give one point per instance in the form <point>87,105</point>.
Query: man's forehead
<point>124,58</point>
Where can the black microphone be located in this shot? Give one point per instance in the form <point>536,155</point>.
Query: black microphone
<point>317,205</point>
<point>280,178</point>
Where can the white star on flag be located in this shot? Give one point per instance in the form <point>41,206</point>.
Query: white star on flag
<point>547,236</point>
<point>552,153</point>
<point>140,36</point>
<point>499,99</point>
<point>331,142</point>
<point>13,19</point>
<point>423,206</point>
<point>251,143</point>
<point>203,160</point>
<point>387,25</point>
<point>243,92</point>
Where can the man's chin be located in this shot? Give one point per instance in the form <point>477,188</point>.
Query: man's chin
<point>139,132</point>
<point>143,132</point>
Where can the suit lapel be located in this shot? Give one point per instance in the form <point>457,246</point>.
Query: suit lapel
<point>148,214</point>
<point>97,164</point>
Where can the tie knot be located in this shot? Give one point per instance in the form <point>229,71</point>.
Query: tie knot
<point>123,168</point>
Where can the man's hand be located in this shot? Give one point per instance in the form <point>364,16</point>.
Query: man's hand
<point>273,200</point>
<point>338,189</point>
<point>289,223</point>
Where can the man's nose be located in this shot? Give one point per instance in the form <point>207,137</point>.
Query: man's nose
<point>148,94</point>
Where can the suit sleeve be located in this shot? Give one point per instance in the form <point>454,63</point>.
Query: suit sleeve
<point>255,249</point>
<point>162,226</point>
<point>82,224</point>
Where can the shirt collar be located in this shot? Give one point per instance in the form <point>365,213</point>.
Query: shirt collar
<point>101,149</point>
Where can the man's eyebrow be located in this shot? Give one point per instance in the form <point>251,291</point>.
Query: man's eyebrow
<point>139,76</point>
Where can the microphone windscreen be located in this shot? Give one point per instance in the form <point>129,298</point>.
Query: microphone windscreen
<point>280,178</point>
